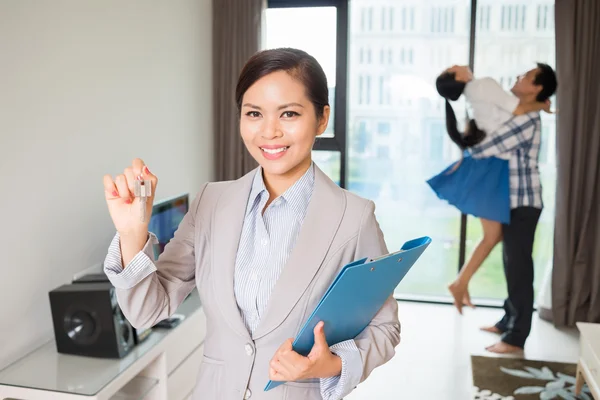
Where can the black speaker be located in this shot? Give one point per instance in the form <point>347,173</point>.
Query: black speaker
<point>88,321</point>
<point>91,278</point>
<point>139,334</point>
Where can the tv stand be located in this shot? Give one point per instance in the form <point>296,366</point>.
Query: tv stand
<point>164,366</point>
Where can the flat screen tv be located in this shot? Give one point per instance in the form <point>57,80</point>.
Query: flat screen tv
<point>166,216</point>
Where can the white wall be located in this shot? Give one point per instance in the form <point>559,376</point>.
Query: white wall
<point>86,86</point>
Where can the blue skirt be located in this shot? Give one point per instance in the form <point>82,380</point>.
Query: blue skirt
<point>479,187</point>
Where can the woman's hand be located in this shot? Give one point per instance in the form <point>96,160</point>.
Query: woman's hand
<point>287,365</point>
<point>124,208</point>
<point>540,106</point>
<point>546,106</point>
<point>536,106</point>
<point>462,73</point>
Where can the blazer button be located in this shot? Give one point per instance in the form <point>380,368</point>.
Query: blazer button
<point>247,394</point>
<point>249,349</point>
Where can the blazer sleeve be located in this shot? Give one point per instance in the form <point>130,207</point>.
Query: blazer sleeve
<point>377,342</point>
<point>149,290</point>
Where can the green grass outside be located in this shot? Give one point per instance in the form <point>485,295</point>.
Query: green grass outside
<point>439,264</point>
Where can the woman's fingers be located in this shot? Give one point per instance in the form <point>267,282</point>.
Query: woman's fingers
<point>280,369</point>
<point>129,175</point>
<point>123,187</point>
<point>110,189</point>
<point>146,174</point>
<point>138,166</point>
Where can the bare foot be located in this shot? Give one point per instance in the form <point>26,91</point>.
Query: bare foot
<point>467,300</point>
<point>504,348</point>
<point>460,295</point>
<point>491,329</point>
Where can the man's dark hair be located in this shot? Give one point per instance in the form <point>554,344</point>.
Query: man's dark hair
<point>547,79</point>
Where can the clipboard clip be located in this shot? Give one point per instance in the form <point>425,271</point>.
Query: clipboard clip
<point>388,255</point>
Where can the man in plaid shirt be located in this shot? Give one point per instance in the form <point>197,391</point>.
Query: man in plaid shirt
<point>519,140</point>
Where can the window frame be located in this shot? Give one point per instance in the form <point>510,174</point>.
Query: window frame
<point>338,142</point>
<point>439,23</point>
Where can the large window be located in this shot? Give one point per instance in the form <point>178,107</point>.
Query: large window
<point>319,28</point>
<point>504,60</point>
<point>283,26</point>
<point>442,19</point>
<point>513,17</point>
<point>389,135</point>
<point>414,116</point>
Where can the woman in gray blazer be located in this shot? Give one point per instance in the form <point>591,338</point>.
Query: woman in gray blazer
<point>262,250</point>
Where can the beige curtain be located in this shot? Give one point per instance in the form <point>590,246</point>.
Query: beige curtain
<point>576,271</point>
<point>237,28</point>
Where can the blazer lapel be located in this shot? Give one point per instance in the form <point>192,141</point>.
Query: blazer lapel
<point>228,220</point>
<point>323,218</point>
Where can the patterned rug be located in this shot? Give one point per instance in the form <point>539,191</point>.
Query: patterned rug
<point>515,379</point>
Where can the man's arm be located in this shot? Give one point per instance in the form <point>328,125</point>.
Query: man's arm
<point>513,134</point>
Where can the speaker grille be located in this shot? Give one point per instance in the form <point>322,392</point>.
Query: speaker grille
<point>81,325</point>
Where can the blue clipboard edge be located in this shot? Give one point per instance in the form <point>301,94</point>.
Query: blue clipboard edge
<point>410,245</point>
<point>423,241</point>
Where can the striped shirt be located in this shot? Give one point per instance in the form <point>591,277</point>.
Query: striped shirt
<point>520,138</point>
<point>266,242</point>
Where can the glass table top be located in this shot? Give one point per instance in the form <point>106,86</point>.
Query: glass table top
<point>46,369</point>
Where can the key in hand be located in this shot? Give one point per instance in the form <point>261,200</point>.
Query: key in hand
<point>142,190</point>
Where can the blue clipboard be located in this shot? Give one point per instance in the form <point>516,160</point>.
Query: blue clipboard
<point>355,296</point>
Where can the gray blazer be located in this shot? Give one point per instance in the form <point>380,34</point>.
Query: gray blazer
<point>339,228</point>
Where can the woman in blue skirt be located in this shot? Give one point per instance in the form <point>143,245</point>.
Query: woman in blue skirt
<point>479,187</point>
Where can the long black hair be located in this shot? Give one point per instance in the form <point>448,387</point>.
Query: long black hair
<point>451,89</point>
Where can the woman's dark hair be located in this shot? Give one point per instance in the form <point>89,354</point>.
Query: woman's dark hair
<point>299,64</point>
<point>547,78</point>
<point>451,89</point>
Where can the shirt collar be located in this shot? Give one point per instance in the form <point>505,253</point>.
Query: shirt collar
<point>297,196</point>
<point>258,187</point>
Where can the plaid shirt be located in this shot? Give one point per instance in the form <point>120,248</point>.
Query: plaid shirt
<point>520,139</point>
